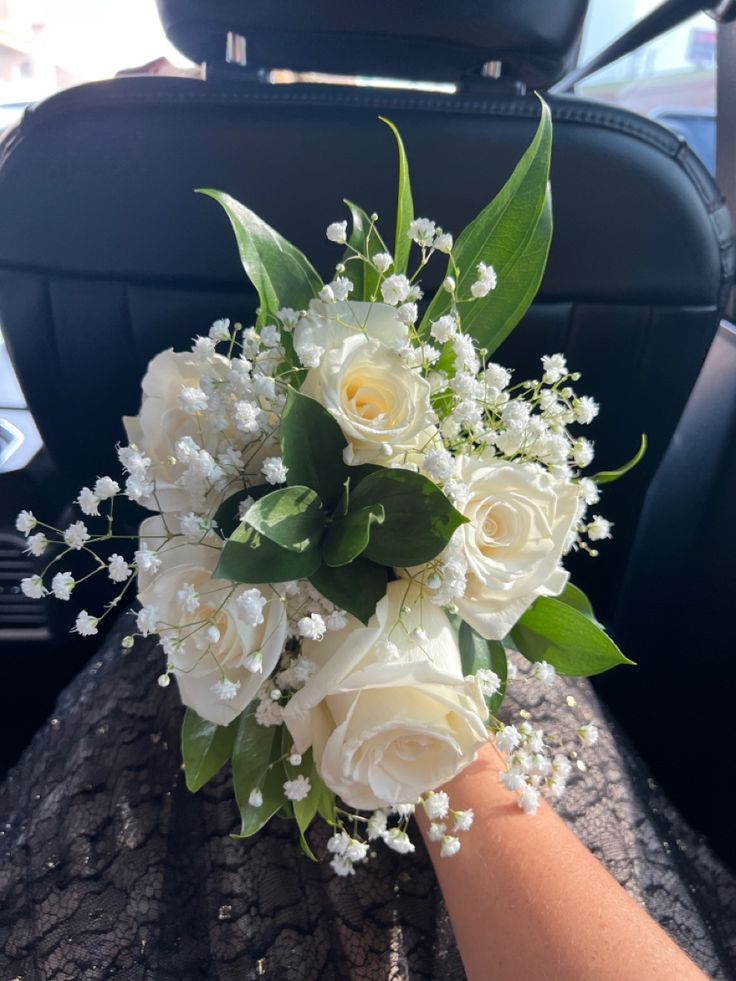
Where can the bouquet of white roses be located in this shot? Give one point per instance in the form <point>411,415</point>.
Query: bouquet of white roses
<point>355,513</point>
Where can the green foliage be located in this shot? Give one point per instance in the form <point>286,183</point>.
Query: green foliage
<point>577,599</point>
<point>319,800</point>
<point>311,448</point>
<point>552,631</point>
<point>513,234</point>
<point>291,516</point>
<point>419,519</point>
<point>252,558</point>
<point>367,241</point>
<point>205,748</point>
<point>356,588</point>
<point>477,653</point>
<point>404,205</point>
<point>348,538</point>
<point>257,764</point>
<point>608,476</point>
<point>281,274</point>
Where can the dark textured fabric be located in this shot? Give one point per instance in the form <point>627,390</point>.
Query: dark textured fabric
<point>111,869</point>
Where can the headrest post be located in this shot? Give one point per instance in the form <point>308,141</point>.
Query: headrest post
<point>236,49</point>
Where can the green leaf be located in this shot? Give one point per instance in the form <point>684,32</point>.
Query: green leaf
<point>555,632</point>
<point>356,588</point>
<point>512,234</point>
<point>205,748</point>
<point>477,653</point>
<point>281,274</point>
<point>257,765</point>
<point>608,476</point>
<point>577,599</point>
<point>319,800</point>
<point>252,558</point>
<point>311,448</point>
<point>291,516</point>
<point>419,520</point>
<point>348,538</point>
<point>363,275</point>
<point>404,205</point>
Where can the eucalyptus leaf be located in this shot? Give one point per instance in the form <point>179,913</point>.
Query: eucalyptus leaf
<point>404,205</point>
<point>291,516</point>
<point>476,653</point>
<point>348,538</point>
<point>281,274</point>
<point>256,764</point>
<point>356,588</point>
<point>311,448</point>
<point>252,558</point>
<point>205,748</point>
<point>608,476</point>
<point>419,519</point>
<point>512,234</point>
<point>554,632</point>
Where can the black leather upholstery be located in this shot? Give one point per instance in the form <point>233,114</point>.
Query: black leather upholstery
<point>425,39</point>
<point>107,255</point>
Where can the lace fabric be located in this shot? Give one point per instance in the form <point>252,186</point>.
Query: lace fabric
<point>111,869</point>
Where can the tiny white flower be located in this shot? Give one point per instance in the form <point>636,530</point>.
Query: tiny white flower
<point>512,780</point>
<point>88,502</point>
<point>588,734</point>
<point>312,627</point>
<point>586,409</point>
<point>247,416</point>
<point>403,810</point>
<point>589,490</point>
<point>382,261</point>
<point>444,328</point>
<point>376,826</point>
<point>62,585</point>
<point>443,242</point>
<point>544,673</point>
<point>188,598</point>
<point>555,367</point>
<point>270,336</point>
<point>85,625</point>
<point>76,535</point>
<point>437,805</point>
<point>326,294</point>
<point>398,841</point>
<point>496,376</point>
<point>253,662</point>
<point>449,284</point>
<point>304,669</point>
<point>341,287</point>
<point>529,800</point>
<point>342,866</point>
<point>288,316</point>
<point>450,846</point>
<point>147,620</point>
<point>599,528</point>
<point>225,689</point>
<point>295,759</point>
<point>395,289</point>
<point>582,452</point>
<point>356,850</point>
<point>310,355</point>
<point>255,798</point>
<point>192,399</point>
<point>486,281</point>
<point>298,788</point>
<point>408,313</point>
<point>106,487</point>
<point>213,634</point>
<point>337,620</point>
<point>269,713</point>
<point>32,587</point>
<point>26,522</point>
<point>338,232</point>
<point>250,606</point>
<point>421,231</point>
<point>220,330</point>
<point>490,682</point>
<point>273,470</point>
<point>508,739</point>
<point>203,348</point>
<point>463,820</point>
<point>37,544</point>
<point>437,831</point>
<point>118,568</point>
<point>338,843</point>
<point>147,560</point>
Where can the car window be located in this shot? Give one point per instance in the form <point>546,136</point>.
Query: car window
<point>672,79</point>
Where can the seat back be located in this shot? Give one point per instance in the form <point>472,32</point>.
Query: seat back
<point>107,255</point>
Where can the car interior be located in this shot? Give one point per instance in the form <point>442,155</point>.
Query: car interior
<point>108,256</point>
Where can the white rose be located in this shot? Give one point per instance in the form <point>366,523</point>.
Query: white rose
<point>384,729</point>
<point>519,519</point>
<point>161,423</point>
<point>381,406</point>
<point>327,325</point>
<point>198,663</point>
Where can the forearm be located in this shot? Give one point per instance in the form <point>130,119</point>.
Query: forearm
<point>528,900</point>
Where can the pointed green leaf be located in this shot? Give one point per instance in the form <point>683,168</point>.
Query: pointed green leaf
<point>419,519</point>
<point>205,748</point>
<point>256,763</point>
<point>227,516</point>
<point>476,654</point>
<point>356,588</point>
<point>291,516</point>
<point>252,558</point>
<point>404,206</point>
<point>555,632</point>
<point>368,242</point>
<point>577,599</point>
<point>281,274</point>
<point>348,538</point>
<point>311,448</point>
<point>512,234</point>
<point>608,476</point>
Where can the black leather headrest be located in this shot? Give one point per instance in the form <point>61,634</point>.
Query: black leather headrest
<point>417,39</point>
